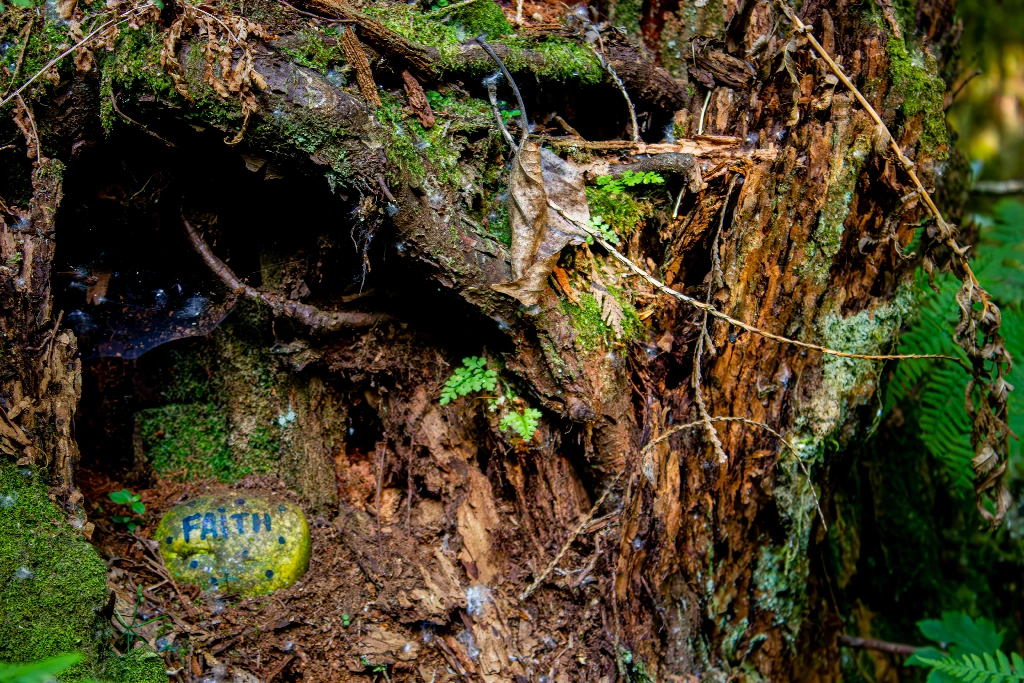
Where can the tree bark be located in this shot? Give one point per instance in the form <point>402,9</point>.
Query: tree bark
<point>692,567</point>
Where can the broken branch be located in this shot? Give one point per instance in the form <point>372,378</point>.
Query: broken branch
<point>316,320</point>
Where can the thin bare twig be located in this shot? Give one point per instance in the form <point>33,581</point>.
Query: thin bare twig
<point>113,101</point>
<point>314,318</point>
<point>714,312</point>
<point>634,128</point>
<point>26,32</point>
<point>35,133</point>
<point>753,423</point>
<point>524,122</point>
<point>880,645</point>
<point>572,537</point>
<point>698,354</point>
<point>998,187</point>
<point>703,111</point>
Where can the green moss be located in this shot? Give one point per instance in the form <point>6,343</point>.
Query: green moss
<point>918,90</point>
<point>318,48</point>
<point>625,212</point>
<point>140,665</point>
<point>133,66</point>
<point>591,330</point>
<point>433,152</point>
<point>828,235</point>
<point>52,586</point>
<point>482,16</point>
<point>564,59</point>
<point>188,441</point>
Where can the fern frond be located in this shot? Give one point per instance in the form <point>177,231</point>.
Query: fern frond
<point>980,668</point>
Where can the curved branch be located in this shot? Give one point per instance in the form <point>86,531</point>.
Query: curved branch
<point>319,322</point>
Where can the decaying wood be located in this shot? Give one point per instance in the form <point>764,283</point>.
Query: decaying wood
<point>357,58</point>
<point>418,100</point>
<point>682,561</point>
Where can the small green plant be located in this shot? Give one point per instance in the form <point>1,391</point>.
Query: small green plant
<point>346,620</point>
<point>131,628</point>
<point>601,226</point>
<point>134,503</point>
<point>38,672</point>
<point>507,116</point>
<point>472,377</point>
<point>524,424</point>
<point>973,655</point>
<point>614,185</point>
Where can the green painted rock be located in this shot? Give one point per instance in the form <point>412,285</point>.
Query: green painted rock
<point>238,542</point>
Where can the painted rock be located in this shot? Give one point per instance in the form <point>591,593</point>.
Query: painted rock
<point>239,542</point>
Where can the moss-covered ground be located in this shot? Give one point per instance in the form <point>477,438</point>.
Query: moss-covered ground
<point>53,589</point>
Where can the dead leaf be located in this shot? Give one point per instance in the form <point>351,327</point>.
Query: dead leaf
<point>562,278</point>
<point>539,234</point>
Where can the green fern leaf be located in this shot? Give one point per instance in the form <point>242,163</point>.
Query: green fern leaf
<point>975,668</point>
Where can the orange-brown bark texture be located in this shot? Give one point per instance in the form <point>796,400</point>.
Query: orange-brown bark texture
<point>445,547</point>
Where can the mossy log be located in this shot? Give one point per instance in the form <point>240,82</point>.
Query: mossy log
<point>704,568</point>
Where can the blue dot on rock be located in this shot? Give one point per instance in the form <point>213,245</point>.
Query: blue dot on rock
<point>281,508</point>
<point>245,553</point>
<point>240,501</point>
<point>193,564</point>
<point>169,540</point>
<point>220,509</point>
<point>280,539</point>
<point>213,580</point>
<point>269,574</point>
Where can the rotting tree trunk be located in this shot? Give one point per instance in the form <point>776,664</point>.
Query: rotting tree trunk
<point>702,569</point>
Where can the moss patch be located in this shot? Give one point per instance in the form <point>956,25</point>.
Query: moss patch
<point>916,90</point>
<point>53,582</point>
<point>624,212</point>
<point>53,589</point>
<point>317,48</point>
<point>591,330</point>
<point>483,16</point>
<point>133,66</point>
<point>189,441</point>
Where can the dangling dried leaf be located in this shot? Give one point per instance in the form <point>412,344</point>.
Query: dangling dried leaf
<point>538,234</point>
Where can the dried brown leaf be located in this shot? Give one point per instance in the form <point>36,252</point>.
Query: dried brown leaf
<point>538,235</point>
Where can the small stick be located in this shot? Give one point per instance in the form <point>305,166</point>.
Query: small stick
<point>662,287</point>
<point>998,187</point>
<point>703,111</point>
<point>314,318</point>
<point>21,53</point>
<point>880,645</point>
<point>492,95</point>
<point>35,133</point>
<point>511,81</point>
<point>634,128</point>
<point>572,537</point>
<point>113,101</point>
